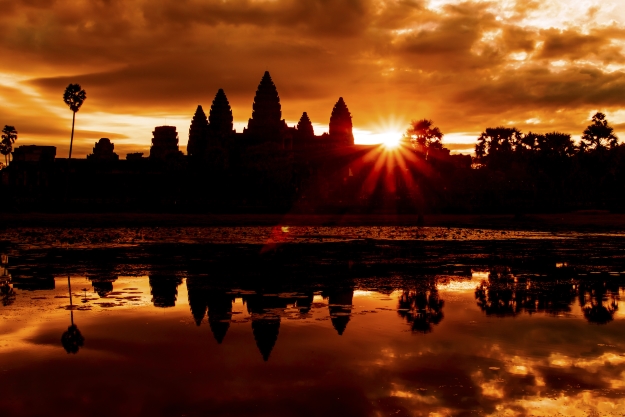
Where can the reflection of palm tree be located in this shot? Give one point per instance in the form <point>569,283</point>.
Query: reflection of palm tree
<point>421,307</point>
<point>72,340</point>
<point>599,301</point>
<point>498,295</point>
<point>505,294</point>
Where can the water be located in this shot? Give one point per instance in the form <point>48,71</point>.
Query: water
<point>359,321</point>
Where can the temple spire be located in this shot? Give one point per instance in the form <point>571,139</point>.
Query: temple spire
<point>198,140</point>
<point>305,127</point>
<point>266,123</point>
<point>341,124</point>
<point>220,117</point>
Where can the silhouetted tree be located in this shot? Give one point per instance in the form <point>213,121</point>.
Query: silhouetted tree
<point>8,138</point>
<point>74,96</point>
<point>598,135</point>
<point>495,145</point>
<point>423,136</point>
<point>555,145</point>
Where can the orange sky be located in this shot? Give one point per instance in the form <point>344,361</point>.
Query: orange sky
<point>538,65</point>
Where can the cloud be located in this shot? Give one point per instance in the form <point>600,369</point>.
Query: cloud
<point>466,65</point>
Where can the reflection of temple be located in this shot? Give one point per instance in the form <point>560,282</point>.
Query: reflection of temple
<point>421,307</point>
<point>33,283</point>
<point>7,295</point>
<point>265,308</point>
<point>164,289</point>
<point>340,307</point>
<point>213,302</point>
<point>102,283</point>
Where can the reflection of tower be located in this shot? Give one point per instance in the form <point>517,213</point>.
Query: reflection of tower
<point>164,289</point>
<point>265,320</point>
<point>304,302</point>
<point>33,283</point>
<point>219,312</point>
<point>216,302</point>
<point>340,306</point>
<point>266,331</point>
<point>198,302</point>
<point>102,284</point>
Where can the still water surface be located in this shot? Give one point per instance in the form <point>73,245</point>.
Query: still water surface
<point>411,325</point>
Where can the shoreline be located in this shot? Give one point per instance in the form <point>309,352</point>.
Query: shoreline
<point>577,221</point>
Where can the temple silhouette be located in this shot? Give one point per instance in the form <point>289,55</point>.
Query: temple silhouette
<point>269,166</point>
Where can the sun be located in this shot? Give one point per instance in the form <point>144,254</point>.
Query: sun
<point>390,139</point>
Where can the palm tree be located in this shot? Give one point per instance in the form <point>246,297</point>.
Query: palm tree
<point>74,96</point>
<point>8,138</point>
<point>422,135</point>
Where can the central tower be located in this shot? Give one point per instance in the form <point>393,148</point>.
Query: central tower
<point>266,124</point>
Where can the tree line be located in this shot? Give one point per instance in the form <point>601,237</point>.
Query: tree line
<point>531,172</point>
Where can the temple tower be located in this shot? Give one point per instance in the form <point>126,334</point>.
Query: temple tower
<point>220,118</point>
<point>104,151</point>
<point>341,125</point>
<point>304,134</point>
<point>164,142</point>
<point>266,124</point>
<point>198,133</point>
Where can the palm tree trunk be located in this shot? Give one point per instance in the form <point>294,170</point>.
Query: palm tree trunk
<point>71,141</point>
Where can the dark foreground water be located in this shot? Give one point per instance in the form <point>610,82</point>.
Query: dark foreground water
<point>311,322</point>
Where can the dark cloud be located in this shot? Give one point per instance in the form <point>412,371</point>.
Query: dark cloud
<point>573,45</point>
